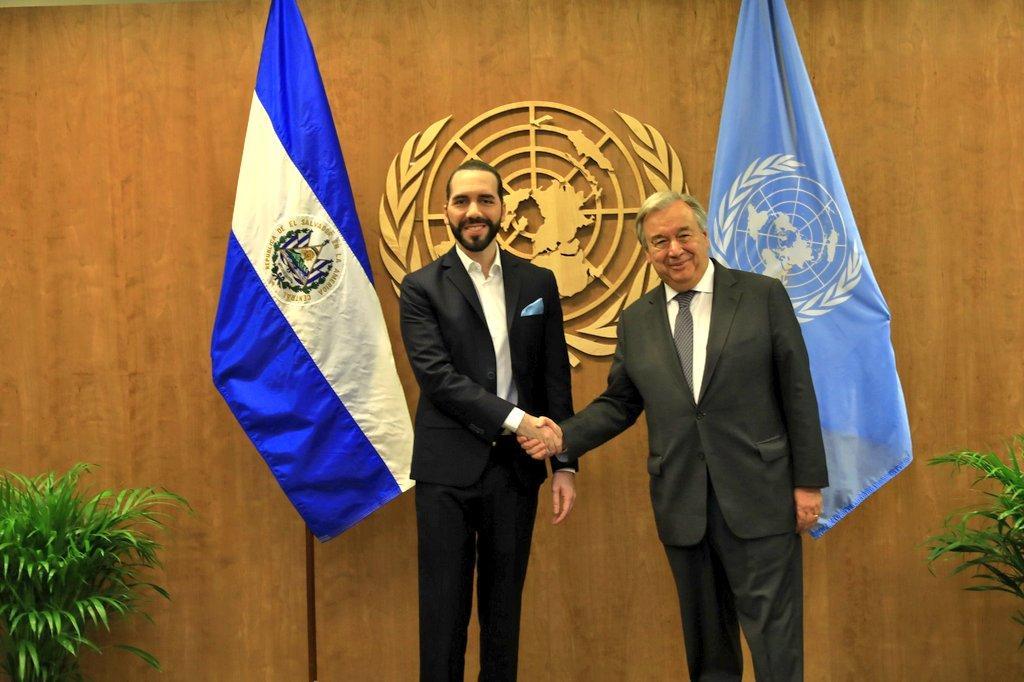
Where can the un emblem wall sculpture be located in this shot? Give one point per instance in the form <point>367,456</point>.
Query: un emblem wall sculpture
<point>573,189</point>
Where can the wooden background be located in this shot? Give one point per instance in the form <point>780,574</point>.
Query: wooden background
<point>121,131</point>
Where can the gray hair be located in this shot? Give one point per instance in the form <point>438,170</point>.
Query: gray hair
<point>659,201</point>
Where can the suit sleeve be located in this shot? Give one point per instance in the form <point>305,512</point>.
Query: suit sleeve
<point>557,375</point>
<point>610,413</point>
<point>451,391</point>
<point>796,388</point>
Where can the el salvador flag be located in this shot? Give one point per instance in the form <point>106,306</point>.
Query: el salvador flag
<point>300,350</point>
<point>778,207</point>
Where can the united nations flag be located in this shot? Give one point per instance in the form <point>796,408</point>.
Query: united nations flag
<point>778,207</point>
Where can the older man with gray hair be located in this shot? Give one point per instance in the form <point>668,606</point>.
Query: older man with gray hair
<point>716,359</point>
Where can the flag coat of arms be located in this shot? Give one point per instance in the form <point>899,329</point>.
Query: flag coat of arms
<point>300,350</point>
<point>778,207</point>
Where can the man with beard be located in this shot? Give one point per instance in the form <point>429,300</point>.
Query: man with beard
<point>483,332</point>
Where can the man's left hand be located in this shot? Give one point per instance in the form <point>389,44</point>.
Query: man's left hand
<point>808,507</point>
<point>563,494</point>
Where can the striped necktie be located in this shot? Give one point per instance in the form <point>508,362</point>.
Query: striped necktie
<point>683,334</point>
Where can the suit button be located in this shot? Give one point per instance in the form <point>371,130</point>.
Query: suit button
<point>700,415</point>
<point>490,375</point>
<point>700,456</point>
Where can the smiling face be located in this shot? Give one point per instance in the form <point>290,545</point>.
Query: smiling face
<point>676,246</point>
<point>473,210</point>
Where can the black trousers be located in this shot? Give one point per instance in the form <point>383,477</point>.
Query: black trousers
<point>725,581</point>
<point>489,525</point>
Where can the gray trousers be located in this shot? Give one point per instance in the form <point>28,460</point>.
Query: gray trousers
<point>725,581</point>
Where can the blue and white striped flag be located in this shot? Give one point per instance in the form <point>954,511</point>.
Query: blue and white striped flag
<point>300,350</point>
<point>778,207</point>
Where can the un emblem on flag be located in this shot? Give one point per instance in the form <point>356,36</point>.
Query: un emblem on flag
<point>302,259</point>
<point>573,187</point>
<point>779,223</point>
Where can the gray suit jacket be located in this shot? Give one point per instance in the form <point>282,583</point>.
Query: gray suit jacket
<point>754,431</point>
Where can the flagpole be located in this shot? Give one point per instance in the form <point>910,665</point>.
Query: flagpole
<point>310,606</point>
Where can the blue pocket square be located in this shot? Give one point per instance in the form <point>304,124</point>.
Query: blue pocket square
<point>535,308</point>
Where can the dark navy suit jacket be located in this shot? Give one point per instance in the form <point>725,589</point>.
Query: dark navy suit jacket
<point>459,415</point>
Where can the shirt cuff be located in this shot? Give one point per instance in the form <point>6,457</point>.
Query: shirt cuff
<point>514,419</point>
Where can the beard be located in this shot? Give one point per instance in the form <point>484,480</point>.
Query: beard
<point>477,243</point>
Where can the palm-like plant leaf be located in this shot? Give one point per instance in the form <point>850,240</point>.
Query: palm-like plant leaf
<point>988,539</point>
<point>68,563</point>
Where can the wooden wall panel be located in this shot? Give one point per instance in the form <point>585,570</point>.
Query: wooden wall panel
<point>923,105</point>
<point>122,130</point>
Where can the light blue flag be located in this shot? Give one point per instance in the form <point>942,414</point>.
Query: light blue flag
<point>300,350</point>
<point>778,207</point>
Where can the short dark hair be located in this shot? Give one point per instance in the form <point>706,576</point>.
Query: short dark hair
<point>475,164</point>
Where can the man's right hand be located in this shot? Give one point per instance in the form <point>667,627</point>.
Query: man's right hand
<point>540,437</point>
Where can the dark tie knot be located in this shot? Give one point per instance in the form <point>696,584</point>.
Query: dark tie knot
<point>684,297</point>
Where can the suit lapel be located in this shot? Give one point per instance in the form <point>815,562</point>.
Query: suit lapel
<point>723,308</point>
<point>456,273</point>
<point>511,279</point>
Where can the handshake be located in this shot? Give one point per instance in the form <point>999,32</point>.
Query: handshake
<point>540,437</point>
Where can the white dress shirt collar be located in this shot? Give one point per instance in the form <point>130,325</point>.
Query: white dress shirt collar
<point>472,266</point>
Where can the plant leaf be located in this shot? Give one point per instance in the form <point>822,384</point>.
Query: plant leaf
<point>144,655</point>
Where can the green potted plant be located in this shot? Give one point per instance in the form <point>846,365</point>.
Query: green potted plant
<point>69,562</point>
<point>988,537</point>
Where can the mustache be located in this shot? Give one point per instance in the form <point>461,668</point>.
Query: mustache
<point>467,223</point>
<point>470,222</point>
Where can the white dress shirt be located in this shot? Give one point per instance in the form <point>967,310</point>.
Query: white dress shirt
<point>700,309</point>
<point>490,289</point>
